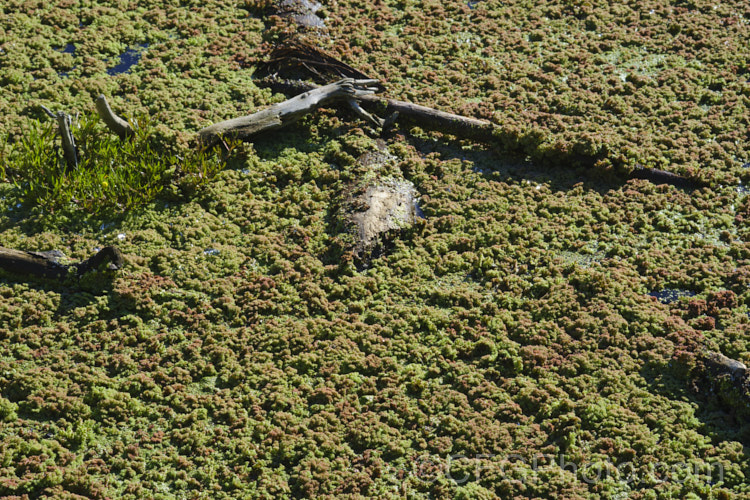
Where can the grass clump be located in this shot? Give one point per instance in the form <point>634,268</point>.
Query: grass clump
<point>111,174</point>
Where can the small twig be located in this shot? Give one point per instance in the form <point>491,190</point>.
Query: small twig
<point>49,113</point>
<point>663,177</point>
<point>377,121</point>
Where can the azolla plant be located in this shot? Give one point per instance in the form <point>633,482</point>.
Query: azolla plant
<point>518,342</point>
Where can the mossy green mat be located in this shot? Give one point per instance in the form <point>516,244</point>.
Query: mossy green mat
<point>508,345</point>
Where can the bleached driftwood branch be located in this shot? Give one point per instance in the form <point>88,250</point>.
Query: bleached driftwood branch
<point>422,116</point>
<point>289,111</point>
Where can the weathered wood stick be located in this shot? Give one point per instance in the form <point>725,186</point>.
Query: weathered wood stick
<point>46,264</point>
<point>68,143</point>
<point>21,262</point>
<point>116,124</point>
<point>427,118</point>
<point>66,136</point>
<point>284,113</point>
<point>439,121</point>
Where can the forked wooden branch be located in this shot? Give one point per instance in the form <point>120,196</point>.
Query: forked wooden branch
<point>68,143</point>
<point>289,111</point>
<point>422,116</point>
<point>66,136</point>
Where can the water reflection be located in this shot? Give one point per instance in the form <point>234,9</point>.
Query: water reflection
<point>68,49</point>
<point>669,295</point>
<point>128,59</point>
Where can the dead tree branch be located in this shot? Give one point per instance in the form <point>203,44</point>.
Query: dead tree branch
<point>289,111</point>
<point>68,143</point>
<point>116,124</point>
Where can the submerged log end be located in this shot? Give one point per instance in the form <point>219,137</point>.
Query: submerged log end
<point>46,264</point>
<point>111,254</point>
<point>663,177</point>
<point>38,263</point>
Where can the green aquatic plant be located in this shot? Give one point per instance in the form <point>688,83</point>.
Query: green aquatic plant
<point>507,346</point>
<point>112,173</point>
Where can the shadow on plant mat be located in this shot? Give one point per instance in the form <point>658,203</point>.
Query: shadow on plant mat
<point>506,345</point>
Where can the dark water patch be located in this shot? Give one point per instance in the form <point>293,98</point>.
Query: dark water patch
<point>472,4</point>
<point>128,59</point>
<point>418,211</point>
<point>68,49</point>
<point>669,295</point>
